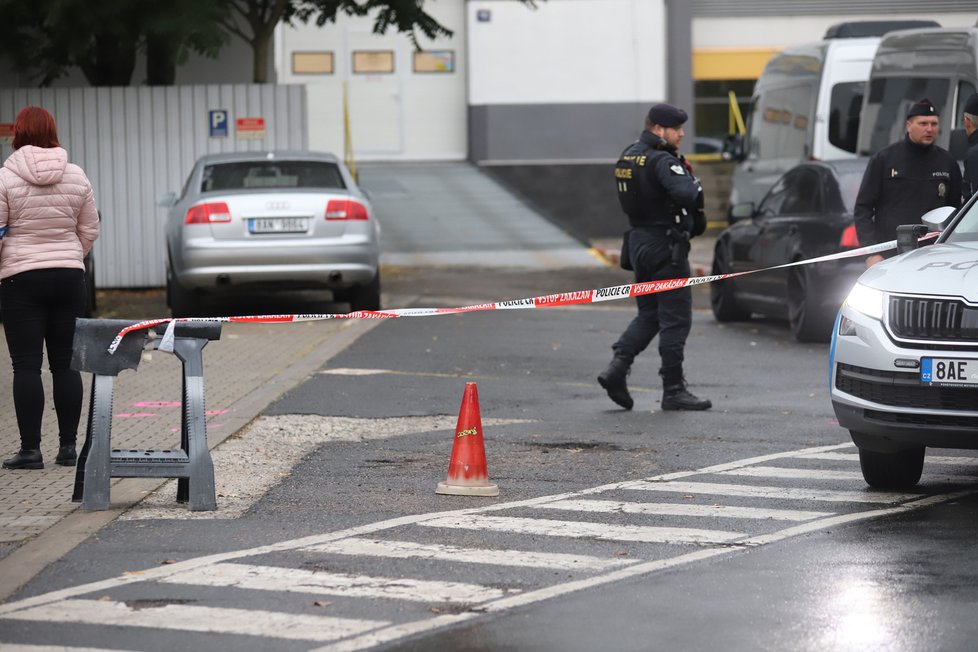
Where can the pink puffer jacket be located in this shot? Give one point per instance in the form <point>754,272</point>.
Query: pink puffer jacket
<point>48,217</point>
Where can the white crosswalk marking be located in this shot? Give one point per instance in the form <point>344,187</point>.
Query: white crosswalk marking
<point>681,509</point>
<point>783,493</point>
<point>294,580</point>
<point>516,558</point>
<point>6,647</point>
<point>854,457</point>
<point>637,521</point>
<point>581,530</point>
<point>826,474</point>
<point>794,474</point>
<point>246,622</point>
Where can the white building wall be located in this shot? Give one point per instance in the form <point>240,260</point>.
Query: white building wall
<point>399,116</point>
<point>567,51</point>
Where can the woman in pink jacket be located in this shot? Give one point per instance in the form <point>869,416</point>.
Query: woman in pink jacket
<point>48,222</point>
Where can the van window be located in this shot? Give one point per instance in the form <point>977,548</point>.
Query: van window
<point>845,103</point>
<point>889,100</point>
<point>779,123</point>
<point>965,90</point>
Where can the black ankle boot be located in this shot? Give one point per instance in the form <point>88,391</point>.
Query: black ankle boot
<point>613,381</point>
<point>66,455</point>
<point>677,397</point>
<point>25,459</point>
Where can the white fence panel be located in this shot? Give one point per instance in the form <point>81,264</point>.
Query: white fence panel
<point>136,143</point>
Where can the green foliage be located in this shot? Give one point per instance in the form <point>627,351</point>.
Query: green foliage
<point>45,38</point>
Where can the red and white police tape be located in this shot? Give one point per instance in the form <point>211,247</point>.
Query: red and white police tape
<point>547,301</point>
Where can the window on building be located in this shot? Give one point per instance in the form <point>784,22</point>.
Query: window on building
<point>434,61</point>
<point>373,62</point>
<point>312,63</point>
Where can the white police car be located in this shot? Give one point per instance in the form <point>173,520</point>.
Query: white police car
<point>904,355</point>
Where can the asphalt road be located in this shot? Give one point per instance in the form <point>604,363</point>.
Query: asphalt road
<point>744,527</point>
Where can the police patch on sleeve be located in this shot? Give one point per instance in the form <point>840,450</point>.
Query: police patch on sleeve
<point>677,169</point>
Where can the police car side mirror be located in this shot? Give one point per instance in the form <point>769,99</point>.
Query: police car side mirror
<point>741,211</point>
<point>938,219</point>
<point>908,235</point>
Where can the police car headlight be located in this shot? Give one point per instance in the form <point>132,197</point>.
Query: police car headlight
<point>867,300</point>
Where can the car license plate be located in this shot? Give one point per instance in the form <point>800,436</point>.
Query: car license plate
<point>278,225</point>
<point>949,371</point>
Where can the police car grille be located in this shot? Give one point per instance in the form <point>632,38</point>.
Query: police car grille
<point>933,319</point>
<point>902,389</point>
<point>935,420</point>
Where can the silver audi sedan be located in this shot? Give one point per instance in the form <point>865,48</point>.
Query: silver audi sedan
<point>267,221</point>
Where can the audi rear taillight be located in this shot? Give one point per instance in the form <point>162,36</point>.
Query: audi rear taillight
<point>849,237</point>
<point>208,213</point>
<point>345,209</point>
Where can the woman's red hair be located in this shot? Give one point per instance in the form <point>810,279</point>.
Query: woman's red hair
<point>35,126</point>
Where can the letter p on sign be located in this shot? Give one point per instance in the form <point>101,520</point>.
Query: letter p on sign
<point>219,123</point>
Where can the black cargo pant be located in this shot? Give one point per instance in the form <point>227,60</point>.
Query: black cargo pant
<point>39,307</point>
<point>666,314</point>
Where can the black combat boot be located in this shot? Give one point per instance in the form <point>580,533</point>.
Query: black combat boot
<point>675,396</point>
<point>25,459</point>
<point>67,456</point>
<point>613,381</point>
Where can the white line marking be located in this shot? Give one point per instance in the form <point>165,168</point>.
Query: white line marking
<point>781,493</point>
<point>795,474</point>
<point>826,474</point>
<point>683,509</point>
<point>580,530</point>
<point>10,647</point>
<point>531,597</point>
<point>159,572</point>
<point>294,580</point>
<point>245,622</point>
<point>930,459</point>
<point>516,558</point>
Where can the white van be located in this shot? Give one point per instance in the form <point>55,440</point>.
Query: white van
<point>938,64</point>
<point>806,105</point>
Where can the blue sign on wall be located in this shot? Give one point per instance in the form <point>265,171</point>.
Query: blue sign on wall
<point>218,121</point>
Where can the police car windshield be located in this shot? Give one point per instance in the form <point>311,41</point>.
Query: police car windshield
<point>966,230</point>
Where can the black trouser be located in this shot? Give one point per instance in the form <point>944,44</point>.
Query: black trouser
<point>39,307</point>
<point>666,314</point>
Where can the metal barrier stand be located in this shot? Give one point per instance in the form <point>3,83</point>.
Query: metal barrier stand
<point>98,462</point>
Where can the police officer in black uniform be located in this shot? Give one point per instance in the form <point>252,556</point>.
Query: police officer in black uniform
<point>664,204</point>
<point>970,182</point>
<point>905,180</point>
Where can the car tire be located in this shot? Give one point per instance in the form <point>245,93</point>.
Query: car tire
<point>364,297</point>
<point>805,312</point>
<point>722,299</point>
<point>900,470</point>
<point>182,302</point>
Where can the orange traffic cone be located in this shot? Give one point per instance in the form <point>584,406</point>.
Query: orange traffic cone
<point>467,472</point>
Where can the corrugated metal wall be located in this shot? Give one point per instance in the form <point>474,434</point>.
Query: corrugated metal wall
<point>136,143</point>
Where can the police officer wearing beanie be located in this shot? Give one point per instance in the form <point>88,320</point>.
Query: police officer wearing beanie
<point>970,181</point>
<point>905,180</point>
<point>664,204</point>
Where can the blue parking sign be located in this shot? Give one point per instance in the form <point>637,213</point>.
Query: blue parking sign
<point>218,120</point>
